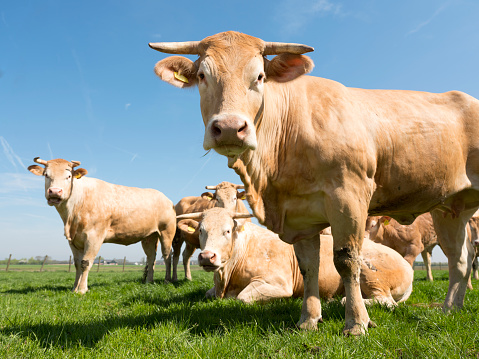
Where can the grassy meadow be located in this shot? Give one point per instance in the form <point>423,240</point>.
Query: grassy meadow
<point>122,318</point>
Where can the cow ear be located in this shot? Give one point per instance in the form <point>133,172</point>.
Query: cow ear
<point>207,195</point>
<point>188,225</point>
<point>177,71</point>
<point>79,173</point>
<point>287,67</point>
<point>239,224</point>
<point>241,195</point>
<point>36,170</point>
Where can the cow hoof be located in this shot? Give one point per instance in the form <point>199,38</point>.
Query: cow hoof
<point>310,324</point>
<point>358,329</point>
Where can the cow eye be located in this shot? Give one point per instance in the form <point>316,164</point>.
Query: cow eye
<point>201,76</point>
<point>227,231</point>
<point>260,77</point>
<point>69,176</point>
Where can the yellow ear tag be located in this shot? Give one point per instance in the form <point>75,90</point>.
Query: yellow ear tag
<point>386,222</point>
<point>241,229</point>
<point>191,229</point>
<point>210,198</point>
<point>243,197</point>
<point>78,175</point>
<point>180,77</point>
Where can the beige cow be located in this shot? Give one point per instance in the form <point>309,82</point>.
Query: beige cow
<point>96,212</point>
<point>312,152</point>
<point>226,195</point>
<point>408,240</point>
<point>251,263</point>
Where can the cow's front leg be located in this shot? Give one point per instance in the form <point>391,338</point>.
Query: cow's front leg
<point>347,216</point>
<point>426,257</point>
<point>187,254</point>
<point>260,291</point>
<point>77,257</point>
<point>451,233</point>
<point>92,247</point>
<point>307,253</point>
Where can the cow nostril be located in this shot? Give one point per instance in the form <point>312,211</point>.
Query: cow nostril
<point>243,128</point>
<point>215,130</point>
<point>213,258</point>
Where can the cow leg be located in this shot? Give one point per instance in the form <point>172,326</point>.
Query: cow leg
<point>451,233</point>
<point>166,239</point>
<point>177,243</point>
<point>475,268</point>
<point>92,247</point>
<point>187,254</point>
<point>263,292</point>
<point>150,246</point>
<point>426,257</point>
<point>77,256</point>
<point>347,221</point>
<point>307,253</point>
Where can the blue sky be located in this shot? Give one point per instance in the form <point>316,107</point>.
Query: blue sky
<point>77,82</point>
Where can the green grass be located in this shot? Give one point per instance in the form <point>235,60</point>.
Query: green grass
<point>122,318</point>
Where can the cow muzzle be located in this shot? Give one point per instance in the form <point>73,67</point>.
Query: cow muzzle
<point>207,259</point>
<point>54,196</point>
<point>230,135</point>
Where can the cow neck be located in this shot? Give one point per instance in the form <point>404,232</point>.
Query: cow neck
<point>67,209</point>
<point>233,266</point>
<point>260,168</point>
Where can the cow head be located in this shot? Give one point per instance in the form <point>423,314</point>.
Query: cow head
<point>219,231</point>
<point>227,195</point>
<point>231,74</point>
<point>59,176</point>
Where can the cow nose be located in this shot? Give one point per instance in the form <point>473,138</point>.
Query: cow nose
<point>55,192</point>
<point>476,243</point>
<point>229,130</point>
<point>206,258</point>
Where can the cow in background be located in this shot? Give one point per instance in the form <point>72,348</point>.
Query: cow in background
<point>96,212</point>
<point>251,263</point>
<point>408,240</point>
<point>226,195</point>
<point>473,233</point>
<point>312,152</point>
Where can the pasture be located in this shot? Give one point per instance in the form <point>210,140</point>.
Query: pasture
<point>121,317</point>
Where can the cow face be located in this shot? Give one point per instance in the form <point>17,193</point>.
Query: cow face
<point>227,196</point>
<point>59,177</point>
<point>231,74</point>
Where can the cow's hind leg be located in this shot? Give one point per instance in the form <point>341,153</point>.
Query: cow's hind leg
<point>150,245</point>
<point>307,253</point>
<point>177,243</point>
<point>166,240</point>
<point>426,257</point>
<point>451,233</point>
<point>187,254</point>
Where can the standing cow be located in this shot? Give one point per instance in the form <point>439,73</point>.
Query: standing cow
<point>96,212</point>
<point>408,240</point>
<point>251,263</point>
<point>312,153</point>
<point>226,195</point>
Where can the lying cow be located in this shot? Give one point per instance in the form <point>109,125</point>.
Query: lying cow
<point>251,263</point>
<point>226,195</point>
<point>96,212</point>
<point>408,240</point>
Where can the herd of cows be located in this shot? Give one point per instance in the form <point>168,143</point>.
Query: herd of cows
<point>399,168</point>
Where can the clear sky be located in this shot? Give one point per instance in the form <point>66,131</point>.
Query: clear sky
<point>77,82</point>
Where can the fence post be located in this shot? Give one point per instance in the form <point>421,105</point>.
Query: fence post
<point>99,260</point>
<point>70,264</point>
<point>8,263</point>
<point>44,260</point>
<point>124,260</point>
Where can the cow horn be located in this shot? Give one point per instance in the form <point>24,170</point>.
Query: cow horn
<point>40,161</point>
<point>275,48</point>
<point>186,48</point>
<point>197,215</point>
<point>242,215</point>
<point>239,186</point>
<point>211,187</point>
<point>75,164</point>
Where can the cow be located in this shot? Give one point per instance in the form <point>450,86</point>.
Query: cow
<point>408,240</point>
<point>312,152</point>
<point>96,212</point>
<point>473,233</point>
<point>251,263</point>
<point>226,195</point>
